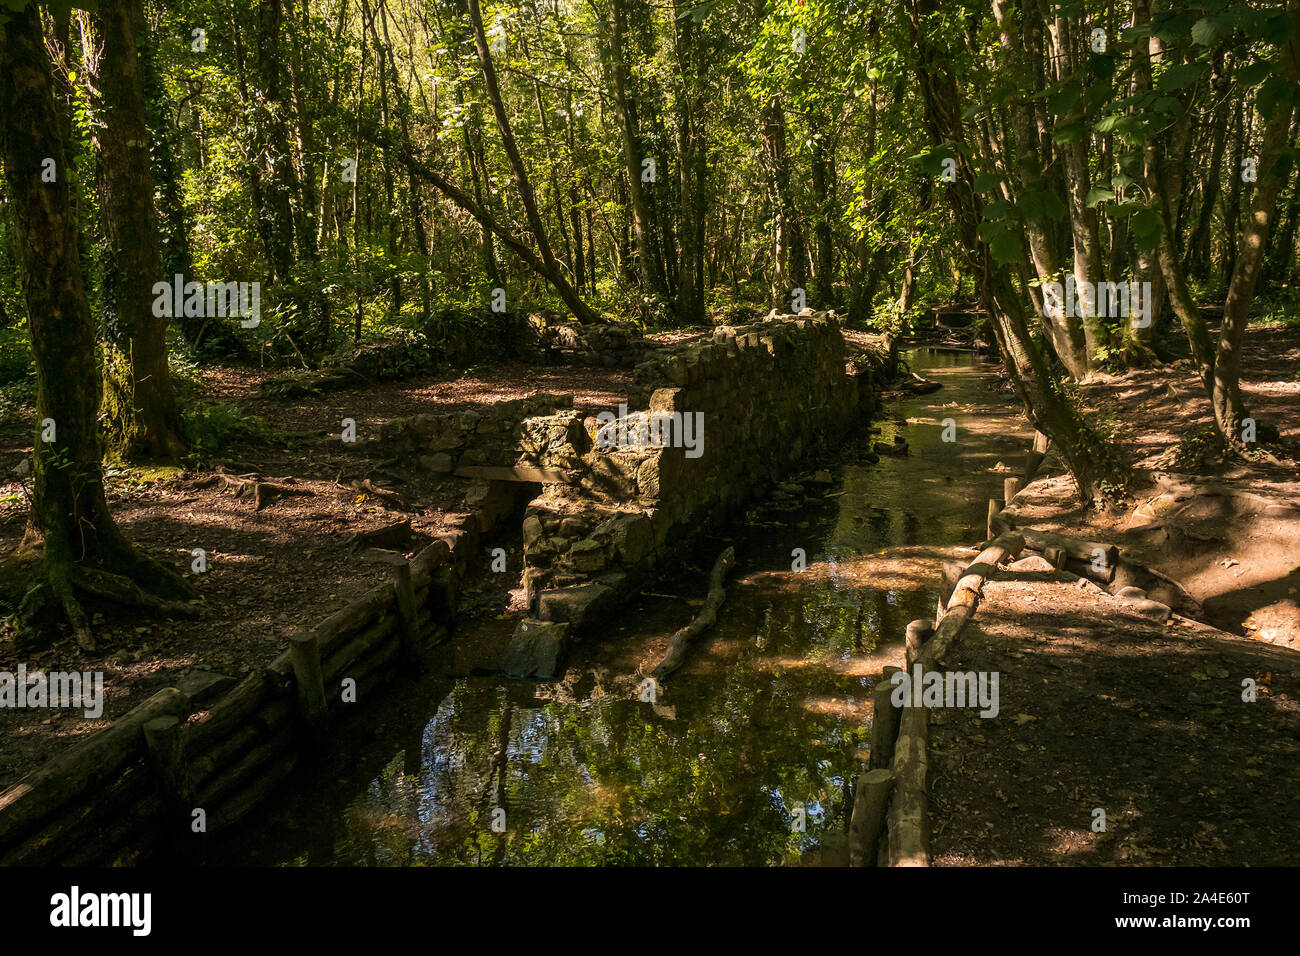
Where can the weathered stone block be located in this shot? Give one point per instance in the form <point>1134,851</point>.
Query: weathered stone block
<point>536,649</point>
<point>573,604</point>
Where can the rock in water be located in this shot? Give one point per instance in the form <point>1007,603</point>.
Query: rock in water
<point>535,649</point>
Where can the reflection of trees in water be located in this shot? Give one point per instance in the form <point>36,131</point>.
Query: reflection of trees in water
<point>610,782</point>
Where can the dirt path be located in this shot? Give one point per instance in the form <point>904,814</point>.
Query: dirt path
<point>1100,708</point>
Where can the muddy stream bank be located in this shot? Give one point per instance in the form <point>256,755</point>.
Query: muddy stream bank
<point>766,724</point>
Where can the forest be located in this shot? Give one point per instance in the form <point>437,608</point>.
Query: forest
<point>567,415</point>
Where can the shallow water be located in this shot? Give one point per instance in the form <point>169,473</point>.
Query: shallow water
<point>744,756</point>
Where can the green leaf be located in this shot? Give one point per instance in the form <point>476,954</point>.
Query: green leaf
<point>998,209</point>
<point>1146,228</point>
<point>1069,133</point>
<point>1063,101</point>
<point>1098,194</point>
<point>987,182</point>
<point>1206,30</point>
<point>1040,204</point>
<point>1179,77</point>
<point>1255,74</point>
<point>1274,94</point>
<point>1005,248</point>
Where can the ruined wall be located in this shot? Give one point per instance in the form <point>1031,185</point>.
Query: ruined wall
<point>604,344</point>
<point>771,395</point>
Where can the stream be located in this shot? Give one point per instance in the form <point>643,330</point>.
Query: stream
<point>745,756</point>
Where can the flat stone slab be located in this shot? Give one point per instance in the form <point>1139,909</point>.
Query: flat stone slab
<point>535,649</point>
<point>572,604</point>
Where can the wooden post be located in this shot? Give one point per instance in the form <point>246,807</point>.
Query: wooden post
<point>1010,488</point>
<point>1034,458</point>
<point>995,507</point>
<point>917,632</point>
<point>304,651</point>
<point>868,819</point>
<point>884,720</point>
<point>410,629</point>
<point>166,745</point>
<point>1056,555</point>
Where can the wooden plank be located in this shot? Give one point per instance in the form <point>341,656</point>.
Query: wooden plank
<point>73,772</point>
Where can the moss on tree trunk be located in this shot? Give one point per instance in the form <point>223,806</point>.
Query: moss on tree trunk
<point>83,549</point>
<point>141,417</point>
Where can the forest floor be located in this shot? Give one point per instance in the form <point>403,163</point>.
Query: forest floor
<point>270,572</point>
<point>1101,708</point>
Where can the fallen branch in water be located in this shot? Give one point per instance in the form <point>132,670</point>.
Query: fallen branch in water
<point>707,617</point>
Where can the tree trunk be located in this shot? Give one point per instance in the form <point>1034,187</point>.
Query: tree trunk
<point>545,257</point>
<point>789,260</point>
<point>650,265</point>
<point>139,403</point>
<point>1096,469</point>
<point>69,511</point>
<point>1229,410</point>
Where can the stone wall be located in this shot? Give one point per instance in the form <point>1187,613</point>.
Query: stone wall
<point>604,344</point>
<point>772,395</point>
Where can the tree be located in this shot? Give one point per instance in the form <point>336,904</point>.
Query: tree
<point>84,551</point>
<point>1093,462</point>
<point>141,416</point>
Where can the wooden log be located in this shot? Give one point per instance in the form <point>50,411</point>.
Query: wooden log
<point>165,743</point>
<point>368,670</point>
<point>410,627</point>
<point>78,769</point>
<point>239,804</point>
<point>443,592</point>
<point>1056,555</point>
<point>917,633</point>
<point>1010,488</point>
<point>424,563</point>
<point>249,764</point>
<point>884,720</point>
<point>276,716</point>
<point>304,647</point>
<point>361,645</point>
<point>870,799</point>
<point>80,822</point>
<point>1080,549</point>
<point>950,572</point>
<point>707,617</point>
<point>230,712</point>
<point>909,827</point>
<point>1034,457</point>
<point>358,614</point>
<point>127,834</point>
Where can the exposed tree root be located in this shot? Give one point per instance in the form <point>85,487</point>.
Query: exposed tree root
<point>707,617</point>
<point>120,588</point>
<point>138,581</point>
<point>387,498</point>
<point>262,491</point>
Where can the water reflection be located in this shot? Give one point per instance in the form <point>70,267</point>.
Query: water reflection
<point>746,755</point>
